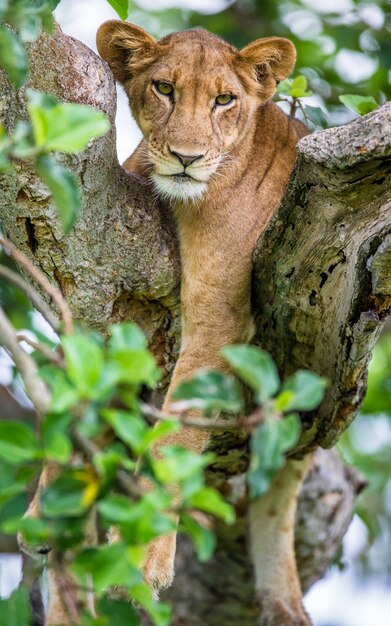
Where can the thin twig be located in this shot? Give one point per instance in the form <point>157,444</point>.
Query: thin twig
<point>35,387</point>
<point>292,112</point>
<point>40,397</point>
<point>303,111</point>
<point>35,298</point>
<point>45,350</point>
<point>42,280</point>
<point>205,423</point>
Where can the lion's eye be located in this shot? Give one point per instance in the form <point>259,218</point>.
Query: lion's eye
<point>164,88</point>
<point>224,99</point>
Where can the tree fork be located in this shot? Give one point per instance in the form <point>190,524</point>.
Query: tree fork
<point>321,292</point>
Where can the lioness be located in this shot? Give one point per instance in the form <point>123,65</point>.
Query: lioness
<point>220,154</point>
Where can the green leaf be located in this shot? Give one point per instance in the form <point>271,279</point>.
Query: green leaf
<point>139,521</point>
<point>359,104</point>
<point>117,612</point>
<point>130,428</point>
<point>30,28</point>
<point>126,336</point>
<point>209,391</point>
<point>316,116</point>
<point>130,360</point>
<point>63,187</point>
<point>307,391</point>
<point>299,87</point>
<point>269,442</point>
<point>178,464</point>
<point>378,396</point>
<point>28,17</point>
<point>18,442</point>
<point>134,366</point>
<point>106,464</point>
<point>67,532</point>
<point>203,538</point>
<point>158,611</point>
<point>284,87</point>
<point>84,362</point>
<point>117,509</point>
<point>23,141</point>
<point>14,508</point>
<point>160,430</point>
<point>12,476</point>
<point>256,367</point>
<point>209,500</point>
<point>15,611</point>
<point>70,495</point>
<point>121,7</point>
<point>64,395</point>
<point>63,127</point>
<point>55,437</point>
<point>34,530</point>
<point>108,565</point>
<point>13,57</point>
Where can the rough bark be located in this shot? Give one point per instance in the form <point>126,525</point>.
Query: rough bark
<point>322,290</point>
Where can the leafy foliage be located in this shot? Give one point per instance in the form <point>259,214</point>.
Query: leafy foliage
<point>54,126</point>
<point>16,610</point>
<point>121,7</point>
<point>359,104</point>
<point>269,443</point>
<point>28,18</point>
<point>96,376</point>
<point>275,434</point>
<point>209,391</point>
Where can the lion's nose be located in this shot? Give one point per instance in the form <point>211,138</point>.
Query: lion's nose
<point>186,159</point>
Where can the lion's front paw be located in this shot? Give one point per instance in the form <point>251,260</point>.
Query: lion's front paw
<point>158,566</point>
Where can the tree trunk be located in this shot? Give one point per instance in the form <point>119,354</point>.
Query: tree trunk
<point>321,292</point>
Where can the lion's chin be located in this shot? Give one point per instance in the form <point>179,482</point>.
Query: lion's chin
<point>182,188</point>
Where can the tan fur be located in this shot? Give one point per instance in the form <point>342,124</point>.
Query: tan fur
<point>245,153</point>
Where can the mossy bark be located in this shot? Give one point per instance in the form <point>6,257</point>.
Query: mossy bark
<point>321,292</point>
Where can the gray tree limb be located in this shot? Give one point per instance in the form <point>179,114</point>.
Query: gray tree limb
<point>321,293</point>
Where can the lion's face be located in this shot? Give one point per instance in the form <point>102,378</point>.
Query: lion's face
<point>193,96</point>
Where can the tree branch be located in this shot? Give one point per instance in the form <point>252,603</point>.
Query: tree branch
<point>35,298</point>
<point>35,387</point>
<point>42,280</point>
<point>54,357</point>
<point>322,279</point>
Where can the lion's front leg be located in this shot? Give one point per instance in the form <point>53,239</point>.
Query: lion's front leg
<point>158,566</point>
<point>272,526</point>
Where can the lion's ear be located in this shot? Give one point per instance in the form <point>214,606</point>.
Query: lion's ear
<point>126,47</point>
<point>274,56</point>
